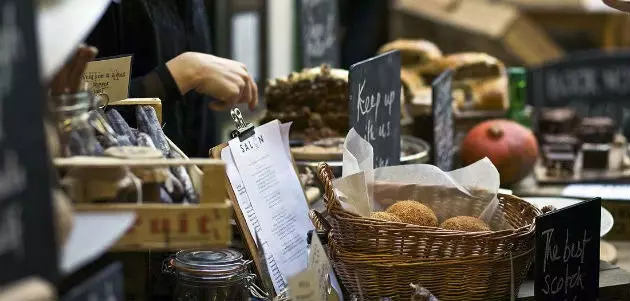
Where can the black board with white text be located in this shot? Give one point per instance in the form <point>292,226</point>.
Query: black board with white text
<point>27,237</point>
<point>318,26</point>
<point>375,105</point>
<point>595,82</point>
<point>442,121</point>
<point>567,253</point>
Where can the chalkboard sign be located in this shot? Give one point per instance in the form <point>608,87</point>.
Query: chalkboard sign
<point>375,105</point>
<point>567,253</point>
<point>596,83</point>
<point>27,237</point>
<point>318,25</point>
<point>442,117</point>
<point>106,285</point>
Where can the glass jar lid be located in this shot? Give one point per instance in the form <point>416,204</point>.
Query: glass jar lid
<point>224,263</point>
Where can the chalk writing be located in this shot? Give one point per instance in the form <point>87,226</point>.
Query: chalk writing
<point>567,253</point>
<point>318,22</point>
<point>442,117</point>
<point>375,105</point>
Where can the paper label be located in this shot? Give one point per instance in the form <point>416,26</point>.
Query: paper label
<point>110,76</point>
<point>303,286</point>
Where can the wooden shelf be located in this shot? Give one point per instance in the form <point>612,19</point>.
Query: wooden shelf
<point>61,26</point>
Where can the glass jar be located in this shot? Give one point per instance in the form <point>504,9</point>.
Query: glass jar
<point>216,275</point>
<point>72,113</point>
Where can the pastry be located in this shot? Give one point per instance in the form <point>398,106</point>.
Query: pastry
<point>413,212</point>
<point>421,56</point>
<point>557,120</point>
<point>465,223</point>
<point>597,130</point>
<point>473,66</point>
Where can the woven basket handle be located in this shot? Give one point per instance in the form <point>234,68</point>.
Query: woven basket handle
<point>326,176</point>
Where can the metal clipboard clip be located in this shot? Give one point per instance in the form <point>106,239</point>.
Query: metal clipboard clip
<point>243,130</point>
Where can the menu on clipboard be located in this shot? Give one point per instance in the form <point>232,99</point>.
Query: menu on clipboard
<point>271,198</point>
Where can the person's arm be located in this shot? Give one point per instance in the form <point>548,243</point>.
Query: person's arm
<point>225,80</point>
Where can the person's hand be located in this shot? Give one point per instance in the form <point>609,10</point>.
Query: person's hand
<point>226,80</point>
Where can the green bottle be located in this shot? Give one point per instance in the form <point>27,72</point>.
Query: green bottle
<point>518,101</point>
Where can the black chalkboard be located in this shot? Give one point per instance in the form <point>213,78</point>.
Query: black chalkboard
<point>318,25</point>
<point>27,237</point>
<point>442,117</point>
<point>106,285</point>
<point>375,105</point>
<point>596,83</point>
<point>567,253</point>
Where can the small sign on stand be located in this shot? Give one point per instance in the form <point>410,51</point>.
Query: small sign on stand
<point>27,236</point>
<point>375,105</point>
<point>442,121</point>
<point>319,23</point>
<point>110,77</point>
<point>567,253</point>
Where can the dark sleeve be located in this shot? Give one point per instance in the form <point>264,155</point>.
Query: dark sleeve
<point>157,83</point>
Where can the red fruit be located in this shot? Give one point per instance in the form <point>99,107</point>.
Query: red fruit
<point>511,147</point>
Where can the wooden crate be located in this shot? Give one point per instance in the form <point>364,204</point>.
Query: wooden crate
<point>169,227</point>
<point>499,29</point>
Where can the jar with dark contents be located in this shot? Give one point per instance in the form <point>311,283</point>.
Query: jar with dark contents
<point>214,275</point>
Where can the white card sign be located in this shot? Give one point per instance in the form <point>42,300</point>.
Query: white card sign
<point>110,77</point>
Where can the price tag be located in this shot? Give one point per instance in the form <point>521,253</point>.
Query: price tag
<point>567,253</point>
<point>318,23</point>
<point>27,237</point>
<point>375,105</point>
<point>596,83</point>
<point>110,77</point>
<point>106,285</point>
<point>442,120</point>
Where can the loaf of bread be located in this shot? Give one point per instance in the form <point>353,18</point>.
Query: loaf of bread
<point>420,56</point>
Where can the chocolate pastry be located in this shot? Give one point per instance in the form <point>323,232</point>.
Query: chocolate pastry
<point>595,156</point>
<point>315,100</point>
<point>597,130</point>
<point>557,120</point>
<point>560,164</point>
<point>561,143</point>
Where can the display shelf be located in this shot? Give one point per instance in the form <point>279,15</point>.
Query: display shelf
<point>93,234</point>
<point>61,26</point>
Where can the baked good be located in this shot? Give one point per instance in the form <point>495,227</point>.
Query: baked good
<point>386,216</point>
<point>413,212</point>
<point>595,156</point>
<point>597,130</point>
<point>489,94</point>
<point>473,66</point>
<point>315,100</point>
<point>560,164</point>
<point>421,56</point>
<point>465,223</point>
<point>557,120</point>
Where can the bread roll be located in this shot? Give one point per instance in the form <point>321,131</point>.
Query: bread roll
<point>419,55</point>
<point>473,66</point>
<point>487,94</point>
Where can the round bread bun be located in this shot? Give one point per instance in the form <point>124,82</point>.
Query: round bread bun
<point>465,223</point>
<point>386,216</point>
<point>421,55</point>
<point>473,66</point>
<point>413,212</point>
<point>486,95</point>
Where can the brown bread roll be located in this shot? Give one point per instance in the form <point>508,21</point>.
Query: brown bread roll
<point>413,212</point>
<point>465,223</point>
<point>420,55</point>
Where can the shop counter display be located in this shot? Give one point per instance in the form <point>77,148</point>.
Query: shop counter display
<point>179,202</point>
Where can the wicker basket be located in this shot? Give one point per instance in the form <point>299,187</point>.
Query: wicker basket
<point>376,258</point>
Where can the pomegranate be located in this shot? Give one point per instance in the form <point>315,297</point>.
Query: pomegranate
<point>511,147</point>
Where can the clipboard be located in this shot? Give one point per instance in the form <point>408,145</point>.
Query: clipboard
<point>243,131</point>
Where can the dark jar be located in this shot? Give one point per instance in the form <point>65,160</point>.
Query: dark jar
<point>217,275</point>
